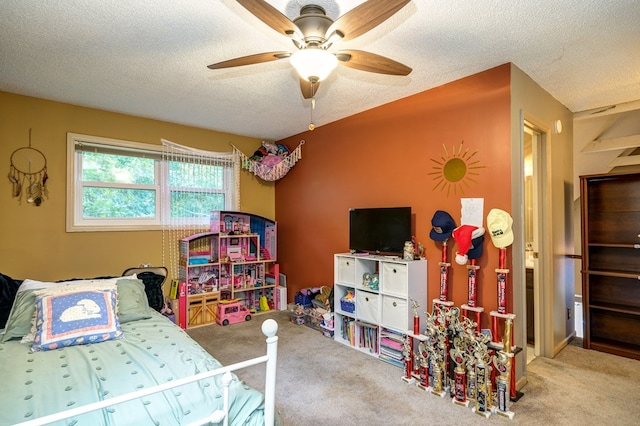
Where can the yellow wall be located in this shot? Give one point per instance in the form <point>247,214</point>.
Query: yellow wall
<point>34,242</point>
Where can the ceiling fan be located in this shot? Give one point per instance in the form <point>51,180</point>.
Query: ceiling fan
<point>313,33</point>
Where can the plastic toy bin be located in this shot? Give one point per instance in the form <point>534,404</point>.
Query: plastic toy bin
<point>297,315</point>
<point>297,319</point>
<point>313,319</point>
<point>347,306</point>
<point>303,300</point>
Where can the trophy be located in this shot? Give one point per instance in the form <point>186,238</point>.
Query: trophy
<point>502,362</point>
<point>459,383</point>
<point>416,317</point>
<point>430,332</point>
<point>471,376</point>
<point>452,323</point>
<point>483,378</point>
<point>437,386</point>
<point>439,371</point>
<point>423,362</point>
<point>407,352</point>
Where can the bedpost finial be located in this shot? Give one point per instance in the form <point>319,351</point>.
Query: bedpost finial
<point>269,327</point>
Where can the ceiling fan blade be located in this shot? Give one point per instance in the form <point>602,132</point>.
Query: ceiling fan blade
<point>308,89</point>
<point>270,16</point>
<point>251,59</point>
<point>370,62</point>
<point>365,17</point>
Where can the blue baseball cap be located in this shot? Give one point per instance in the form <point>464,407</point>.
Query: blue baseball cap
<point>476,247</point>
<point>443,224</point>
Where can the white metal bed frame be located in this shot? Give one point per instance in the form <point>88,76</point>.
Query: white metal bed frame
<point>269,329</point>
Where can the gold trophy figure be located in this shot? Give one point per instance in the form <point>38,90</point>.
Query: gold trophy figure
<point>416,317</point>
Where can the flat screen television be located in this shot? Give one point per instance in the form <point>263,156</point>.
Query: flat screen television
<point>382,230</point>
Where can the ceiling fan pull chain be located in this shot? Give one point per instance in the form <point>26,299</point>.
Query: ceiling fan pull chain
<point>313,104</point>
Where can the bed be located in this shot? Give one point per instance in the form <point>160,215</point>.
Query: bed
<point>72,349</point>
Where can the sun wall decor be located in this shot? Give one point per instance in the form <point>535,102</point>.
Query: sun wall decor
<point>455,170</point>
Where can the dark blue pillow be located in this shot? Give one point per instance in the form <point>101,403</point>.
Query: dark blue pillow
<point>153,289</point>
<point>8,290</point>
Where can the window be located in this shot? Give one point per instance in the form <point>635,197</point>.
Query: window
<point>115,185</point>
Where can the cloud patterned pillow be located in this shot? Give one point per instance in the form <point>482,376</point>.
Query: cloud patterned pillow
<point>76,318</point>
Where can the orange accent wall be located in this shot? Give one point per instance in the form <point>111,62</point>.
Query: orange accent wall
<point>392,156</point>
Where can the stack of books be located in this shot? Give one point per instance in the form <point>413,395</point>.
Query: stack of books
<point>391,345</point>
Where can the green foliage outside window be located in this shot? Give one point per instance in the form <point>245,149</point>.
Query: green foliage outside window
<point>109,168</point>
<point>195,204</point>
<point>190,175</point>
<point>115,194</point>
<point>118,203</point>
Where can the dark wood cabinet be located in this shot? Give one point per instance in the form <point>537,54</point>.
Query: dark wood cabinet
<point>610,214</point>
<point>531,331</point>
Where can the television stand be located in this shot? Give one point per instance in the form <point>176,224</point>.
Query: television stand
<point>381,313</point>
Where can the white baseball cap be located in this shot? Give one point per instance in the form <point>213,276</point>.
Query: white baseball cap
<point>499,224</point>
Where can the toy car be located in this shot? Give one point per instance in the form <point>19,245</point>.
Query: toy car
<point>232,312</point>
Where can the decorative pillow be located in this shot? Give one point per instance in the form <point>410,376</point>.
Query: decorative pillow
<point>22,312</point>
<point>68,287</point>
<point>76,318</point>
<point>132,300</point>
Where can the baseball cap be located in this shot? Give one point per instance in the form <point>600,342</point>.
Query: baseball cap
<point>475,251</point>
<point>443,224</point>
<point>499,224</point>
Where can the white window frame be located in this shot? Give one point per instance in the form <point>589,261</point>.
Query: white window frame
<point>76,223</point>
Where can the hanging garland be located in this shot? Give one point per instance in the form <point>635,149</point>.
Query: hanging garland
<point>28,174</point>
<point>274,165</point>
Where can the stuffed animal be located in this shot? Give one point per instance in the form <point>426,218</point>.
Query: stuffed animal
<point>270,147</point>
<point>282,150</point>
<point>323,296</point>
<point>310,291</point>
<point>259,153</point>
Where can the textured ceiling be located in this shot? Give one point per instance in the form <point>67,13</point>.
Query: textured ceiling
<point>149,57</point>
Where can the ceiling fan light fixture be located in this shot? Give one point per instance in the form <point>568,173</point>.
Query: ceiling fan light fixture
<point>314,63</point>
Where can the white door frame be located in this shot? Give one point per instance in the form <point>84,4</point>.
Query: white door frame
<point>543,279</point>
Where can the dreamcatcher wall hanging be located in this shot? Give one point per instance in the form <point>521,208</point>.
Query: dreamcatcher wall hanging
<point>28,174</point>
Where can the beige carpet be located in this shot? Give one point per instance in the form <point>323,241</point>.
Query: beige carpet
<point>321,382</point>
